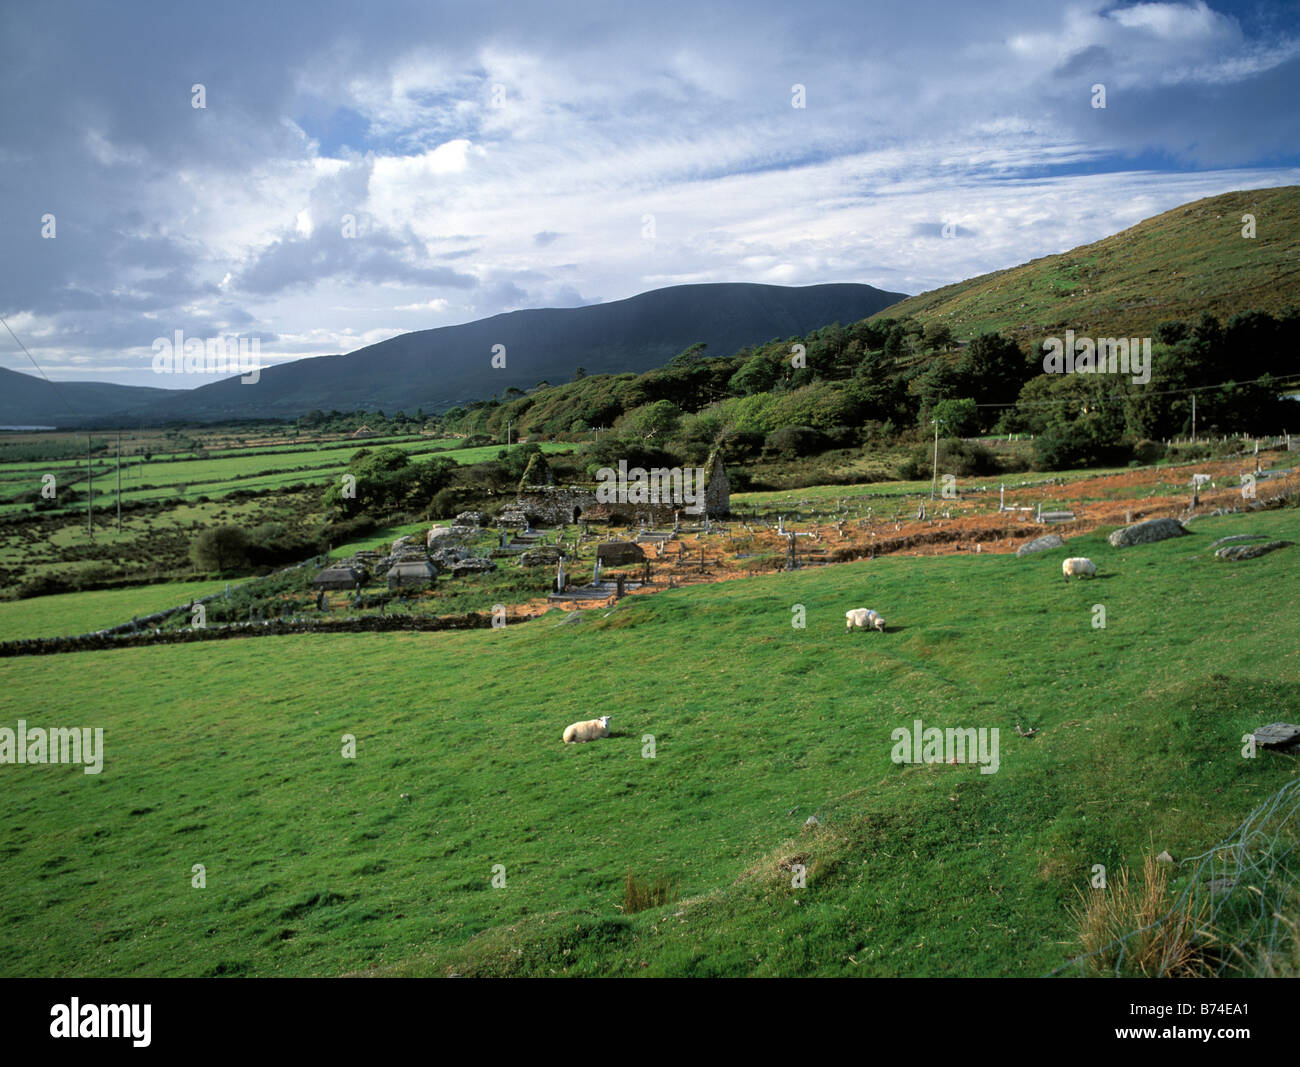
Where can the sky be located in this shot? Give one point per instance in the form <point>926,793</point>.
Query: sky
<point>358,171</point>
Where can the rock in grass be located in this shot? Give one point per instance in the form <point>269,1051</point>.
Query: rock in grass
<point>1041,544</point>
<point>1144,533</point>
<point>1164,857</point>
<point>1278,735</point>
<point>1236,537</point>
<point>1249,551</point>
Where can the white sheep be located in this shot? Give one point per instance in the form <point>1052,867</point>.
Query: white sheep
<point>1084,568</point>
<point>863,618</point>
<point>587,731</point>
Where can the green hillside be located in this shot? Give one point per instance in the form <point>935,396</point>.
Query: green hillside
<point>229,755</point>
<point>1173,266</point>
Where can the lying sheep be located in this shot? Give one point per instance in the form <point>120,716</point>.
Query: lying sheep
<point>863,618</point>
<point>587,731</point>
<point>1084,568</point>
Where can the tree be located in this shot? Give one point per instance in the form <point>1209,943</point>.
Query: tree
<point>993,369</point>
<point>958,417</point>
<point>656,421</point>
<point>938,336</point>
<point>220,548</point>
<point>692,354</point>
<point>758,374</point>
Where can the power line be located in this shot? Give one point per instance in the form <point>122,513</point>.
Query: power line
<point>38,367</point>
<point>1159,392</point>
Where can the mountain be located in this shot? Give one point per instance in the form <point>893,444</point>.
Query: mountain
<point>436,369</point>
<point>1171,266</point>
<point>26,400</point>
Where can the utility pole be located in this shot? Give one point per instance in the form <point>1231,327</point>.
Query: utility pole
<point>119,483</point>
<point>90,492</point>
<point>934,472</point>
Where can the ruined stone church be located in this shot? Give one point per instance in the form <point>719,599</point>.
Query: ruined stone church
<point>549,504</point>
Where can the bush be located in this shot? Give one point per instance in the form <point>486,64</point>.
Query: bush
<point>222,548</point>
<point>1147,452</point>
<point>446,503</point>
<point>638,894</point>
<point>795,442</point>
<point>957,457</point>
<point>1081,444</point>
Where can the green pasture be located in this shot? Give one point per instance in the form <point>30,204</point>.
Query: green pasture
<point>229,754</point>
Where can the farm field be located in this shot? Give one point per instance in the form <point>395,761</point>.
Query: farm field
<point>190,478</point>
<point>229,755</point>
<point>73,613</point>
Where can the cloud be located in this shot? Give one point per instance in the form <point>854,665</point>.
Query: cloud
<point>359,174</point>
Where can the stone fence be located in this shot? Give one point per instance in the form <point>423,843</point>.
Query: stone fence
<point>47,646</point>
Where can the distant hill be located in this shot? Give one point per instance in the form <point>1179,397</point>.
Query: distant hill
<point>1171,266</point>
<point>26,400</point>
<point>436,369</point>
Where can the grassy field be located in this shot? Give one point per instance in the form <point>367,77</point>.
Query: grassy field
<point>228,755</point>
<point>259,472</point>
<point>78,613</point>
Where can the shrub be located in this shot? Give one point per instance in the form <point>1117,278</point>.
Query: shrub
<point>1132,930</point>
<point>221,548</point>
<point>640,895</point>
<point>961,458</point>
<point>795,442</point>
<point>1147,452</point>
<point>1081,444</point>
<point>446,503</point>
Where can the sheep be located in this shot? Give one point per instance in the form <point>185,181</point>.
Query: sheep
<point>862,618</point>
<point>1084,568</point>
<point>587,731</point>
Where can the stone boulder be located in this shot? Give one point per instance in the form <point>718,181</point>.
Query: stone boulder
<point>1145,533</point>
<point>1236,537</point>
<point>540,556</point>
<point>472,566</point>
<point>1041,544</point>
<point>444,556</point>
<point>1249,551</point>
<point>470,518</point>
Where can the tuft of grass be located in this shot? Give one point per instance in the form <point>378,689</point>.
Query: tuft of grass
<point>1131,929</point>
<point>641,895</point>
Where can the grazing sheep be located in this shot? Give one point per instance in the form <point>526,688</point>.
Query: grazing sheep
<point>1084,568</point>
<point>587,731</point>
<point>863,618</point>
